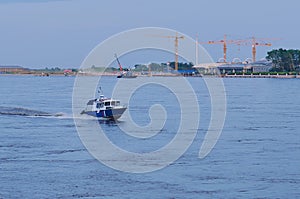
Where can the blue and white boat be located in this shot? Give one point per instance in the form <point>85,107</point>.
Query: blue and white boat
<point>106,108</point>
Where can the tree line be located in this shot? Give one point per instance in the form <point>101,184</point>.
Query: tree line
<point>163,67</point>
<point>284,60</point>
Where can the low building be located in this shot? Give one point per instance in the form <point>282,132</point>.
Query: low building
<point>260,66</point>
<point>231,68</point>
<point>234,68</point>
<point>12,69</point>
<point>208,68</point>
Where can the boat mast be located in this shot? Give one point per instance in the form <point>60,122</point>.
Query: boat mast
<point>101,93</point>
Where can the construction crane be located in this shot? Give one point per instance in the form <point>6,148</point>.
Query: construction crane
<point>176,41</point>
<point>252,41</point>
<point>254,44</point>
<point>224,42</point>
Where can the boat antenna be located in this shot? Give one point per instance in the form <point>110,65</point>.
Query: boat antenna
<point>100,90</point>
<point>120,66</point>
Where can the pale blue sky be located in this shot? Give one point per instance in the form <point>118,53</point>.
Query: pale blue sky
<point>44,33</point>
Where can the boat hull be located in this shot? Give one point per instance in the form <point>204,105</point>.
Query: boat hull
<point>112,114</point>
<point>126,76</point>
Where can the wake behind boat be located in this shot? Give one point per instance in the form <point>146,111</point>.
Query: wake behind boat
<point>106,108</point>
<point>20,111</point>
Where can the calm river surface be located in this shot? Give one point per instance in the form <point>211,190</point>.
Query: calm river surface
<point>257,155</point>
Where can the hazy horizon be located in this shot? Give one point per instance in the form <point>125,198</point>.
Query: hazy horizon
<point>61,33</point>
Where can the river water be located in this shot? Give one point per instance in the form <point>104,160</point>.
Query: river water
<point>257,155</point>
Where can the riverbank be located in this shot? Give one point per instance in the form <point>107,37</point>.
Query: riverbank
<point>280,76</point>
<point>262,76</point>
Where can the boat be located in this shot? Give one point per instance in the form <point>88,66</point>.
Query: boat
<point>105,108</point>
<point>127,74</point>
<point>124,74</point>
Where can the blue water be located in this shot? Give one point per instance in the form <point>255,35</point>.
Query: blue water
<point>257,155</point>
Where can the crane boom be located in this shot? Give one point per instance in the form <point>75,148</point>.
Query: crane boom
<point>120,66</point>
<point>254,44</point>
<point>176,41</point>
<point>252,41</point>
<point>224,42</point>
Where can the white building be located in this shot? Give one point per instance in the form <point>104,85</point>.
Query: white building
<point>222,68</point>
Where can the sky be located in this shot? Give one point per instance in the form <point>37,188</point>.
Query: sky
<point>61,33</point>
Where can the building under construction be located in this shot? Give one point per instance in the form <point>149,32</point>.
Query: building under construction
<point>232,68</point>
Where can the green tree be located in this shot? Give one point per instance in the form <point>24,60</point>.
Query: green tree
<point>182,66</point>
<point>284,60</point>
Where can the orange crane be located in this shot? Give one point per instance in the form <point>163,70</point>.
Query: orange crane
<point>252,41</point>
<point>254,44</point>
<point>176,37</point>
<point>224,42</point>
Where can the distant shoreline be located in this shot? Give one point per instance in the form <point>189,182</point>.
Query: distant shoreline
<point>286,76</point>
<point>262,76</point>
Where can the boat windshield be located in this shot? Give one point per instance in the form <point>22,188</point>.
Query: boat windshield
<point>112,103</point>
<point>115,103</point>
<point>99,105</point>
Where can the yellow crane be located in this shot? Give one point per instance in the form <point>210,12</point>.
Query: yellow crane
<point>176,41</point>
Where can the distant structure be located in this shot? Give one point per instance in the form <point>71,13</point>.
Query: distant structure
<point>230,68</point>
<point>253,42</point>
<point>176,40</point>
<point>261,66</point>
<point>224,42</point>
<point>13,69</point>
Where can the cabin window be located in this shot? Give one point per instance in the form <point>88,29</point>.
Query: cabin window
<point>113,103</point>
<point>107,103</point>
<point>117,103</point>
<point>99,105</point>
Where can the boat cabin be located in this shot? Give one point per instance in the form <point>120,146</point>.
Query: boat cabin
<point>102,104</point>
<point>108,103</point>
